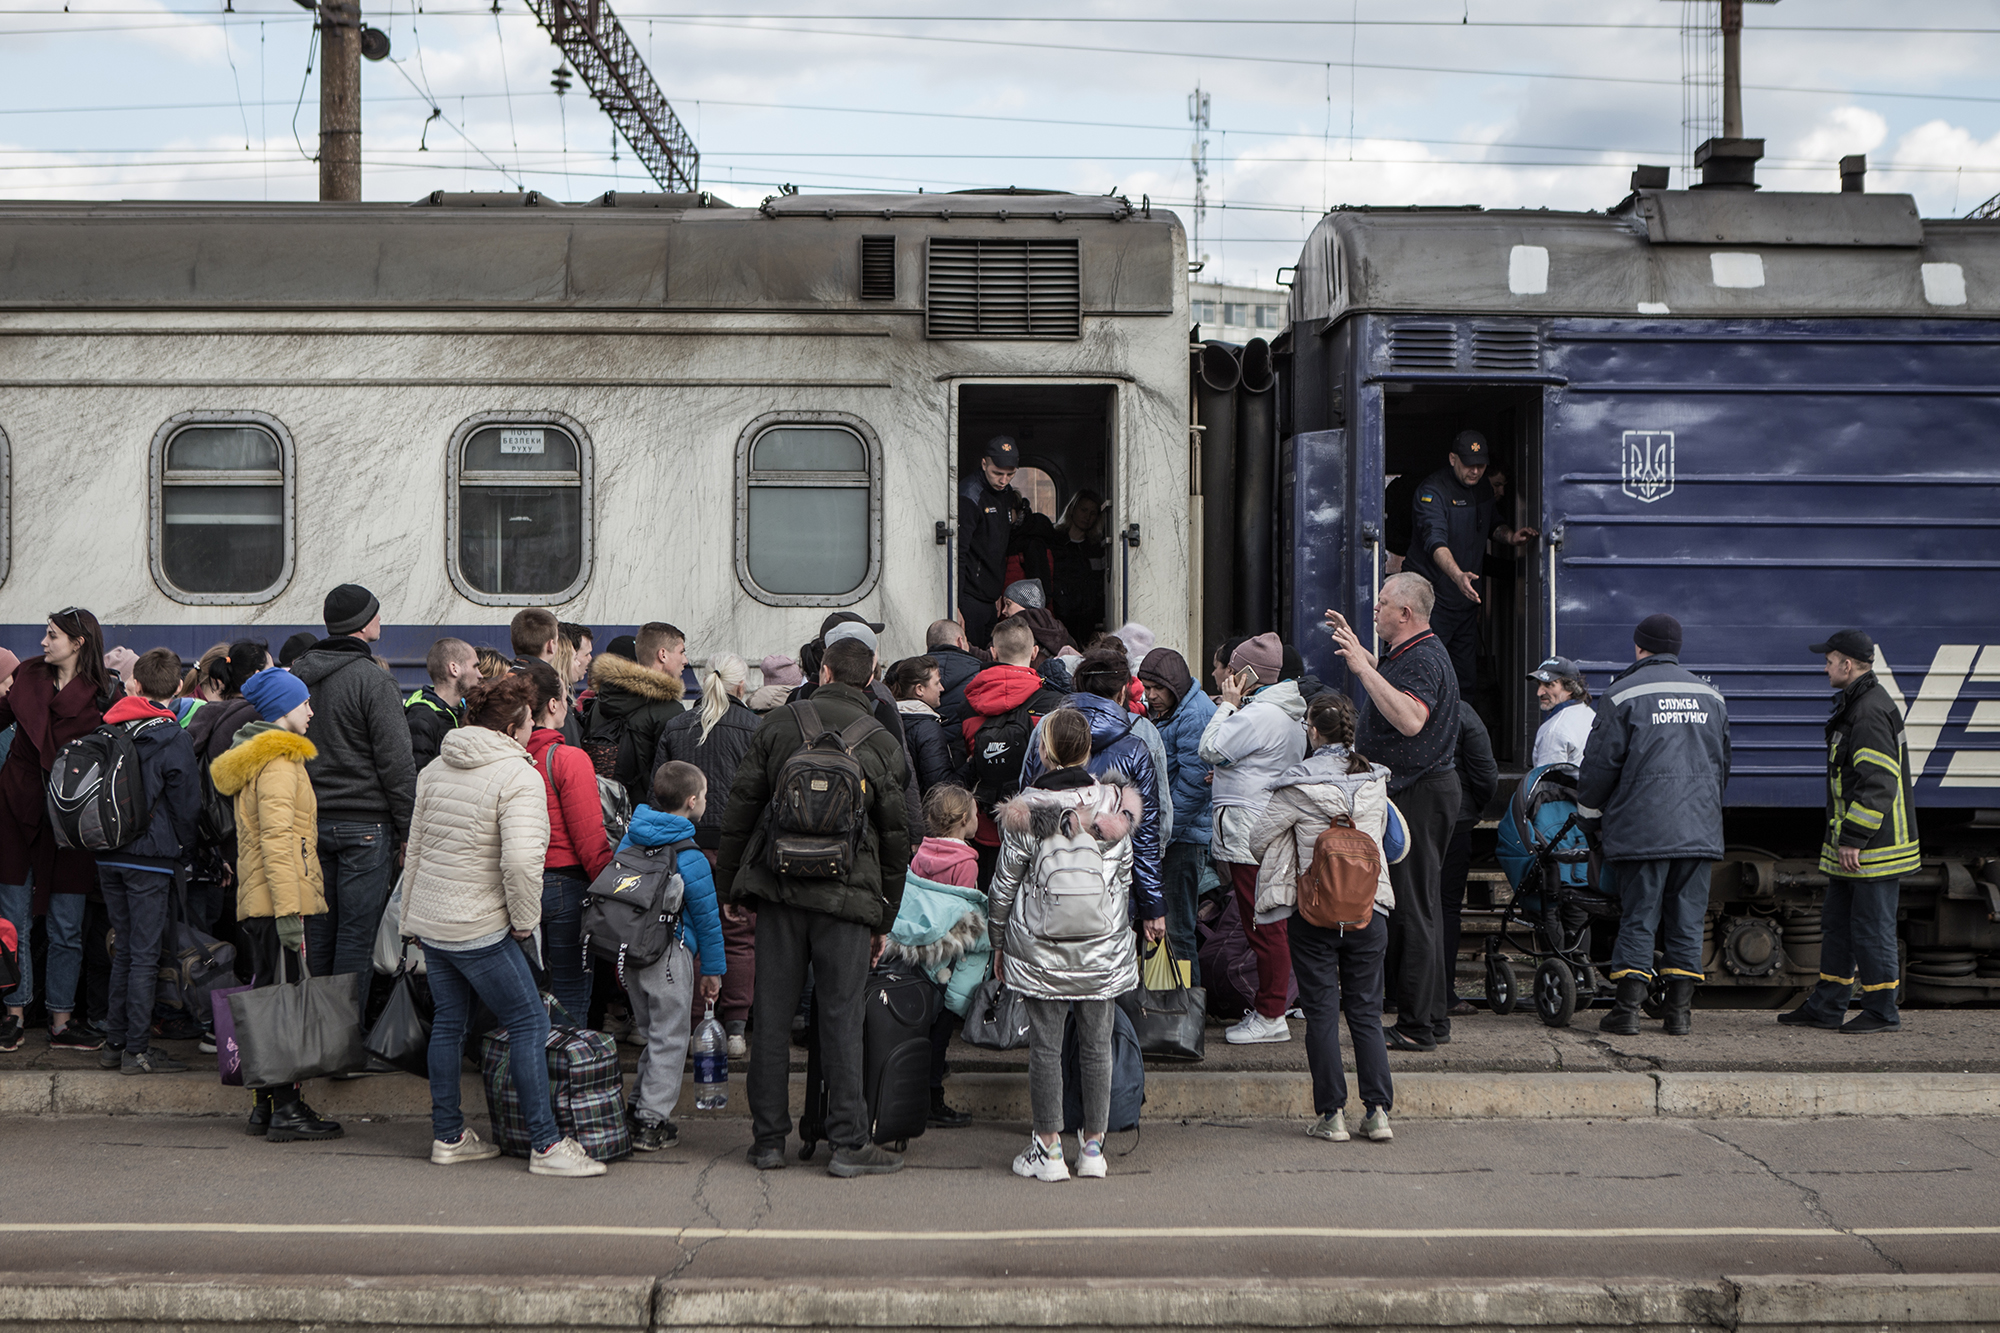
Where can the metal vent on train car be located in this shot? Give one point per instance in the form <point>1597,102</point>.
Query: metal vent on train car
<point>878,268</point>
<point>1423,347</point>
<point>990,287</point>
<point>1506,349</point>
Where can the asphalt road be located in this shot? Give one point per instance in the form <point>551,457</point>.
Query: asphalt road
<point>1665,1198</point>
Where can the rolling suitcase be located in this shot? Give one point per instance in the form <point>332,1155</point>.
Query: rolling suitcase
<point>895,1061</point>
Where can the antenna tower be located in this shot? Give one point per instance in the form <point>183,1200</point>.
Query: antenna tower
<point>1198,157</point>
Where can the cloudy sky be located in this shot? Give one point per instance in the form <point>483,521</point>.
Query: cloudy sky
<point>1524,103</point>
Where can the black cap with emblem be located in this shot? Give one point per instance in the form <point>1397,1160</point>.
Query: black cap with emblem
<point>1003,452</point>
<point>1471,448</point>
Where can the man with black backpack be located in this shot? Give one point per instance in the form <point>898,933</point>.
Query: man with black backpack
<point>137,875</point>
<point>1004,701</point>
<point>817,838</point>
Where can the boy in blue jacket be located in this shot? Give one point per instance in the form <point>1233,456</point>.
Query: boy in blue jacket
<point>137,879</point>
<point>662,995</point>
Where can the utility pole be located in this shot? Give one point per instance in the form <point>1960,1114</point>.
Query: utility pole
<point>1732,69</point>
<point>339,100</point>
<point>1198,157</point>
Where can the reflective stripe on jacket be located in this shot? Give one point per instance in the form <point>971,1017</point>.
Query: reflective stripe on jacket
<point>1870,803</point>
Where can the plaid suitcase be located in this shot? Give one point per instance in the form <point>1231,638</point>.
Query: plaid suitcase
<point>586,1090</point>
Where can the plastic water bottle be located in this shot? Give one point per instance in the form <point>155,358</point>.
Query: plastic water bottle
<point>711,1064</point>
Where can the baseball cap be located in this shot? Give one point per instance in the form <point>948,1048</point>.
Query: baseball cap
<point>847,618</point>
<point>1853,642</point>
<point>854,629</point>
<point>1471,447</point>
<point>1554,669</point>
<point>1003,451</point>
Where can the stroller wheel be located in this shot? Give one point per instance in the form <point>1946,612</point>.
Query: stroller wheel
<point>1555,992</point>
<point>1502,992</point>
<point>1655,1003</point>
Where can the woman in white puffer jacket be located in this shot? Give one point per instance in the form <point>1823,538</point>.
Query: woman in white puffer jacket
<point>1339,971</point>
<point>472,892</point>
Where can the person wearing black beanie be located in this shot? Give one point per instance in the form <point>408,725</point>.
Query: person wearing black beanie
<point>1649,794</point>
<point>290,651</point>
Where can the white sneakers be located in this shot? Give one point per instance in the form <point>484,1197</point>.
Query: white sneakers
<point>1376,1127</point>
<point>1091,1165</point>
<point>1331,1127</point>
<point>1044,1161</point>
<point>564,1157</point>
<point>469,1148</point>
<point>1255,1028</point>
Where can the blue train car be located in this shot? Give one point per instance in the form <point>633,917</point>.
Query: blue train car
<point>1767,414</point>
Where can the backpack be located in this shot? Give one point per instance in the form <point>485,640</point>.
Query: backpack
<point>96,792</point>
<point>633,907</point>
<point>820,800</point>
<point>1072,893</point>
<point>997,749</point>
<point>603,744</point>
<point>613,801</point>
<point>1337,891</point>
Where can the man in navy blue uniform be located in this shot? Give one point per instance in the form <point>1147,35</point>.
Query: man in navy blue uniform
<point>1454,514</point>
<point>988,509</point>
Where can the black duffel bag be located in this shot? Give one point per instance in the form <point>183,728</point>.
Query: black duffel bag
<point>1168,1023</point>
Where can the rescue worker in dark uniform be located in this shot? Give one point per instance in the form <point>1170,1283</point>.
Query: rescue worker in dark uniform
<point>1871,843</point>
<point>1649,793</point>
<point>988,509</point>
<point>1454,514</point>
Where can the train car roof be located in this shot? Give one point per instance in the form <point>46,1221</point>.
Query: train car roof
<point>1694,253</point>
<point>620,251</point>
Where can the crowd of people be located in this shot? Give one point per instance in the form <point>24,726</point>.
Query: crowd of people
<point>1021,808</point>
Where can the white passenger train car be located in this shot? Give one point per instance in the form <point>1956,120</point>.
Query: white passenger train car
<point>646,407</point>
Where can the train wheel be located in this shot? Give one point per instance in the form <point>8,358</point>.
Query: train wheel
<point>1555,992</point>
<point>1502,992</point>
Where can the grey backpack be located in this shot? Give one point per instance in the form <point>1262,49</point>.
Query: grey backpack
<point>634,907</point>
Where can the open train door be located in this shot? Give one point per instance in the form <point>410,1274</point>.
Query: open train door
<point>1330,512</point>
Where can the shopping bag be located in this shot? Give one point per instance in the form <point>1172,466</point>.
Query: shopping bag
<point>1169,1021</point>
<point>228,1056</point>
<point>402,1034</point>
<point>1160,970</point>
<point>391,951</point>
<point>296,1030</point>
<point>996,1018</point>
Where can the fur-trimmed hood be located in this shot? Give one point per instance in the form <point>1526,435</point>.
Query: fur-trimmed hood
<point>243,761</point>
<point>1110,806</point>
<point>608,671</point>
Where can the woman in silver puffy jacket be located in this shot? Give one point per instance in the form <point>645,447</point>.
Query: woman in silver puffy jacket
<point>1063,900</point>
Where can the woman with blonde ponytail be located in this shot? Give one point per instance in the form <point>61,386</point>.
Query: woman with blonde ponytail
<point>714,737</point>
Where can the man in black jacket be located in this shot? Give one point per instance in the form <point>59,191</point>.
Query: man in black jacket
<point>957,664</point>
<point>1478,779</point>
<point>836,926</point>
<point>1651,783</point>
<point>1870,843</point>
<point>436,710</point>
<point>988,509</point>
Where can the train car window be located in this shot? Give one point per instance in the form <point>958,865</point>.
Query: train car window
<point>222,508</point>
<point>520,509</point>
<point>808,524</point>
<point>1039,489</point>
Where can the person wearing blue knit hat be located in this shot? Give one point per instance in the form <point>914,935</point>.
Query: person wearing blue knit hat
<point>275,693</point>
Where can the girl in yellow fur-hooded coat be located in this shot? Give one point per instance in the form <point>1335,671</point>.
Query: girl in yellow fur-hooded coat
<point>277,818</point>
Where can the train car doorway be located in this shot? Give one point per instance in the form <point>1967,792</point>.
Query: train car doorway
<point>1067,435</point>
<point>1419,424</point>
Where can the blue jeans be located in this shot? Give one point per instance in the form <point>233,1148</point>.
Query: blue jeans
<point>563,894</point>
<point>65,957</point>
<point>499,975</point>
<point>138,902</point>
<point>355,861</point>
<point>1663,900</point>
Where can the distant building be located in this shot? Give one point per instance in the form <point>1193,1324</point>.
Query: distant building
<point>1238,314</point>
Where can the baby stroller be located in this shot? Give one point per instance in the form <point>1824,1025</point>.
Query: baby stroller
<point>1548,861</point>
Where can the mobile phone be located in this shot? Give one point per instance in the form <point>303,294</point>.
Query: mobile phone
<point>1245,679</point>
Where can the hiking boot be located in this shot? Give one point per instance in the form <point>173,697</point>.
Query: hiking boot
<point>109,1056</point>
<point>1257,1028</point>
<point>1376,1127</point>
<point>867,1160</point>
<point>1042,1161</point>
<point>1680,1006</point>
<point>767,1158</point>
<point>297,1122</point>
<point>565,1157</point>
<point>1623,1020</point>
<point>468,1147</point>
<point>1090,1163</point>
<point>75,1037</point>
<point>944,1116</point>
<point>148,1062</point>
<point>260,1113</point>
<point>1332,1127</point>
<point>650,1135</point>
<point>1865,1022</point>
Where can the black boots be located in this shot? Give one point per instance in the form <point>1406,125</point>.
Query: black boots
<point>943,1115</point>
<point>1680,1004</point>
<point>1623,1020</point>
<point>293,1120</point>
<point>260,1113</point>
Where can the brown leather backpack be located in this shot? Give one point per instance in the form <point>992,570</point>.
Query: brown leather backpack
<point>1337,891</point>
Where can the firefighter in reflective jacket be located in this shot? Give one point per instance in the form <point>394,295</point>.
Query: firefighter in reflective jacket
<point>1870,844</point>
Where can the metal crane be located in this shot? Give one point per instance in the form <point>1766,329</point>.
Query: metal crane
<point>593,39</point>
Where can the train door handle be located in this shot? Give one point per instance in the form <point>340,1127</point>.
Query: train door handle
<point>942,532</point>
<point>1130,535</point>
